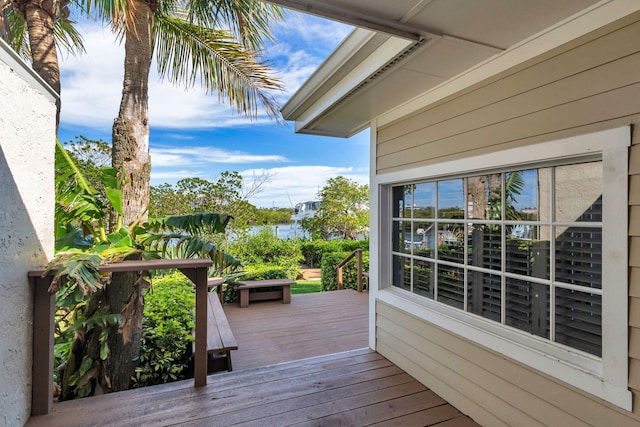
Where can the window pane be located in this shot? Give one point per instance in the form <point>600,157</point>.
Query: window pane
<point>424,200</point>
<point>484,197</point>
<point>398,202</point>
<point>578,192</point>
<point>484,294</point>
<point>485,246</point>
<point>450,243</point>
<point>527,195</point>
<point>451,286</point>
<point>401,272</point>
<point>528,256</point>
<point>402,201</point>
<point>400,233</point>
<point>424,236</point>
<point>423,278</point>
<point>579,256</point>
<point>528,307</point>
<point>579,320</point>
<point>451,199</point>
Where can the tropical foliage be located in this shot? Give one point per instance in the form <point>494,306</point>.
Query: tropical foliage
<point>86,237</point>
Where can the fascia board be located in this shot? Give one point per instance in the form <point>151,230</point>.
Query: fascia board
<point>20,67</point>
<point>335,63</point>
<point>358,74</point>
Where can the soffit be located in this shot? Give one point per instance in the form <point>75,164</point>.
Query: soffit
<point>439,39</point>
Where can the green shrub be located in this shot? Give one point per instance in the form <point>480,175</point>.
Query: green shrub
<point>329,270</point>
<point>168,320</point>
<point>312,251</point>
<point>266,248</point>
<point>265,272</point>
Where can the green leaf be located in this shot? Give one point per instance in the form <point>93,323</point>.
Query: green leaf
<point>86,364</point>
<point>115,198</point>
<point>104,350</point>
<point>73,239</point>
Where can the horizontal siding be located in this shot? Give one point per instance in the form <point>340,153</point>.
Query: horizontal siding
<point>588,85</point>
<point>568,93</point>
<point>506,392</point>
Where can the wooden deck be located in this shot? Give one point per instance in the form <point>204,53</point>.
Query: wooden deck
<point>312,325</point>
<point>271,387</point>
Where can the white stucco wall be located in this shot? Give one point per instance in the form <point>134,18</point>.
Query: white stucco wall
<point>27,138</point>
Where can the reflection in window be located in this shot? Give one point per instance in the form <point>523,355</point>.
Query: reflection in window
<point>484,196</point>
<point>495,241</point>
<point>451,199</point>
<point>424,200</point>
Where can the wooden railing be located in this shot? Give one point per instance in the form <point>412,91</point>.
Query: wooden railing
<point>358,254</point>
<point>43,322</point>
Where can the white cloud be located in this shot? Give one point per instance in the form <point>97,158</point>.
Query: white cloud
<point>308,180</point>
<point>314,31</point>
<point>171,176</point>
<point>178,156</point>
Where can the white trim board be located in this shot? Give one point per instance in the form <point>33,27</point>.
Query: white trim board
<point>20,67</point>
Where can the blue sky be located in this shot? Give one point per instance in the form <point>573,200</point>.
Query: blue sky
<point>193,135</point>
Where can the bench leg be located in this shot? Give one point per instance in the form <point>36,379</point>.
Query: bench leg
<point>244,298</point>
<point>286,294</point>
<point>229,367</point>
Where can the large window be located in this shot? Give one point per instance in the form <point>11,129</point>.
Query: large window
<point>522,251</point>
<point>520,247</point>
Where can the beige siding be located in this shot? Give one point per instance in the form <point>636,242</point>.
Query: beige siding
<point>591,84</point>
<point>594,85</point>
<point>492,389</point>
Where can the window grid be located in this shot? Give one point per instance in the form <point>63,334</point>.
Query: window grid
<point>437,256</point>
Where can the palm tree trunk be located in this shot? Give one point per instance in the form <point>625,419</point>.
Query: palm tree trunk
<point>42,44</point>
<point>131,153</point>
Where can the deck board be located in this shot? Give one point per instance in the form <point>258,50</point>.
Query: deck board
<point>312,325</point>
<point>353,387</point>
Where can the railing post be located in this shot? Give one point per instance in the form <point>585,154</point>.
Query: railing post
<point>359,257</point>
<point>43,324</point>
<point>339,278</point>
<point>200,356</point>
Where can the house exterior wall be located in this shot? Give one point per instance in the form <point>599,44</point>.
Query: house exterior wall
<point>27,136</point>
<point>588,85</point>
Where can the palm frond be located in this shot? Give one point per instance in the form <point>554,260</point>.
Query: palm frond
<point>200,223</point>
<point>248,20</point>
<point>115,12</point>
<point>68,37</point>
<point>17,36</point>
<point>187,53</point>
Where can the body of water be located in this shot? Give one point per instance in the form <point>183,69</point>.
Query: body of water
<point>283,231</point>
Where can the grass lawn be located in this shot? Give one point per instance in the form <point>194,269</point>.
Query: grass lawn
<point>306,286</point>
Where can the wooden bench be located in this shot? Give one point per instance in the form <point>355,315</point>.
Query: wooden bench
<point>220,339</point>
<point>281,290</point>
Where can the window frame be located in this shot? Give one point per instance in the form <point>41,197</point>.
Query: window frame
<point>604,376</point>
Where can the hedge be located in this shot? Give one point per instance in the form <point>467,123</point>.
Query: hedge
<point>329,270</point>
<point>313,250</point>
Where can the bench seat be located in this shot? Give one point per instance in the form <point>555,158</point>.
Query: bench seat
<point>220,339</point>
<point>281,290</point>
